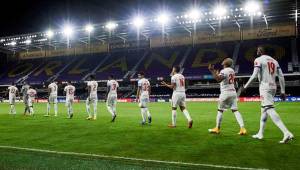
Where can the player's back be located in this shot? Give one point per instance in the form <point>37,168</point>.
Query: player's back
<point>70,90</point>
<point>144,84</point>
<point>227,84</point>
<point>31,93</point>
<point>179,80</point>
<point>113,86</point>
<point>268,71</point>
<point>93,87</point>
<point>25,88</point>
<point>12,90</point>
<point>53,89</point>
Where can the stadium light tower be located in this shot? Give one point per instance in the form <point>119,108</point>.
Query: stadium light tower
<point>68,31</point>
<point>13,43</point>
<point>194,14</point>
<point>28,41</point>
<point>163,18</point>
<point>138,22</point>
<point>89,28</point>
<point>220,11</point>
<point>49,33</point>
<point>111,25</point>
<point>252,7</point>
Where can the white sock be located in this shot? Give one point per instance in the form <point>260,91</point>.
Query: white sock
<point>31,110</point>
<point>187,115</point>
<point>12,109</point>
<point>48,108</point>
<point>239,118</point>
<point>87,106</point>
<point>110,110</point>
<point>143,114</point>
<point>95,110</point>
<point>219,119</point>
<point>276,119</point>
<point>114,108</point>
<point>71,109</point>
<point>55,109</point>
<point>148,112</point>
<point>263,120</point>
<point>174,117</point>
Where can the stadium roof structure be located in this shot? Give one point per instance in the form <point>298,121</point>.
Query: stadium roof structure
<point>189,23</point>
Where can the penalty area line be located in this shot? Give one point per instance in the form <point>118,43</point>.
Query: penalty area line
<point>129,159</point>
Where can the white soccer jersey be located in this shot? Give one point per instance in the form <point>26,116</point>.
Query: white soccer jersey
<point>53,89</point>
<point>227,84</point>
<point>70,91</point>
<point>12,91</point>
<point>93,86</point>
<point>268,72</point>
<point>31,94</point>
<point>179,80</point>
<point>113,86</point>
<point>144,86</point>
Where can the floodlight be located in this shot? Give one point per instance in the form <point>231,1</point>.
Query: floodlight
<point>89,28</point>
<point>138,22</point>
<point>68,30</point>
<point>28,41</point>
<point>111,25</point>
<point>220,10</point>
<point>163,18</point>
<point>13,43</point>
<point>252,7</point>
<point>49,33</point>
<point>194,14</point>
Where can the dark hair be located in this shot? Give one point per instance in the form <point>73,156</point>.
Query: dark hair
<point>141,73</point>
<point>265,49</point>
<point>111,76</point>
<point>92,76</point>
<point>177,68</point>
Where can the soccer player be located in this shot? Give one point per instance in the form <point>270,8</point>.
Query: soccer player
<point>143,93</point>
<point>31,96</point>
<point>112,96</point>
<point>13,92</point>
<point>228,96</point>
<point>267,69</point>
<point>92,87</point>
<point>70,91</point>
<point>24,90</point>
<point>52,91</point>
<point>178,96</point>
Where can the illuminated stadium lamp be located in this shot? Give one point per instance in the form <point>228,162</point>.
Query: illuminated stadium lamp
<point>67,31</point>
<point>194,14</point>
<point>49,33</point>
<point>163,18</point>
<point>89,28</point>
<point>252,7</point>
<point>220,11</point>
<point>28,41</point>
<point>111,25</point>
<point>13,43</point>
<point>138,22</point>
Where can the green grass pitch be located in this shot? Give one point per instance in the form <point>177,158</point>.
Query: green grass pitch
<point>127,138</point>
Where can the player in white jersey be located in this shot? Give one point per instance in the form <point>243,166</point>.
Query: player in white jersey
<point>24,90</point>
<point>112,96</point>
<point>31,96</point>
<point>12,94</point>
<point>178,96</point>
<point>70,92</point>
<point>228,96</point>
<point>267,69</point>
<point>52,91</point>
<point>143,93</point>
<point>92,87</point>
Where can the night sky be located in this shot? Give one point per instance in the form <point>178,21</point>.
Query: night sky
<point>28,16</point>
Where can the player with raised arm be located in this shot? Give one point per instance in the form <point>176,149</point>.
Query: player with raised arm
<point>92,87</point>
<point>12,94</point>
<point>70,92</point>
<point>52,91</point>
<point>178,96</point>
<point>267,69</point>
<point>112,96</point>
<point>31,96</point>
<point>24,90</point>
<point>142,96</point>
<point>228,96</point>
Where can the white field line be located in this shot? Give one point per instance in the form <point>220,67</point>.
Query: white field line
<point>130,159</point>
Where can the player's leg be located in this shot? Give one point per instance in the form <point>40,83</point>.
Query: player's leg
<point>174,104</point>
<point>48,106</point>
<point>147,110</point>
<point>109,105</point>
<point>55,105</point>
<point>237,114</point>
<point>114,108</point>
<point>87,106</point>
<point>70,106</point>
<point>142,105</point>
<point>182,105</point>
<point>262,124</point>
<point>221,107</point>
<point>95,103</point>
<point>30,104</point>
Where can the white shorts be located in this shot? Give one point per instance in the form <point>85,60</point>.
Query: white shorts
<point>93,100</point>
<point>144,100</point>
<point>111,100</point>
<point>267,97</point>
<point>178,99</point>
<point>52,99</point>
<point>12,100</point>
<point>69,101</point>
<point>227,100</point>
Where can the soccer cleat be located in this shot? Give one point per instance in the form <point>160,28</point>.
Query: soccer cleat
<point>171,126</point>
<point>46,115</point>
<point>89,118</point>
<point>257,136</point>
<point>149,119</point>
<point>113,118</point>
<point>71,116</point>
<point>143,123</point>
<point>190,124</point>
<point>243,131</point>
<point>214,130</point>
<point>287,137</point>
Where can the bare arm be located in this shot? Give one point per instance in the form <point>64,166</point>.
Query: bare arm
<point>138,93</point>
<point>281,81</point>
<point>253,77</point>
<point>215,73</point>
<point>171,86</point>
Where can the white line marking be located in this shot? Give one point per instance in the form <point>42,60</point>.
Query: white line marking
<point>130,159</point>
